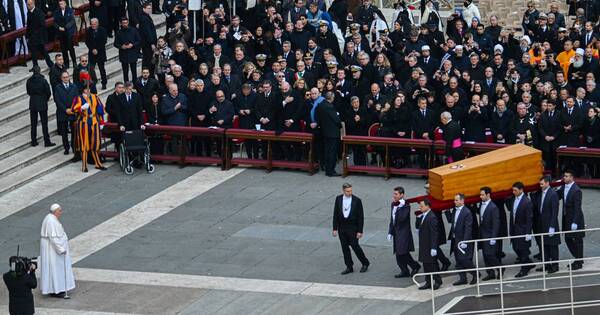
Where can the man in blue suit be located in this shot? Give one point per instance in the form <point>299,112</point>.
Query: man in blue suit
<point>546,221</point>
<point>461,230</point>
<point>572,218</point>
<point>521,223</point>
<point>489,227</point>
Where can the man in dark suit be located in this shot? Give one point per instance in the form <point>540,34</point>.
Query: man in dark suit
<point>64,23</point>
<point>423,124</point>
<point>113,106</point>
<point>146,85</point>
<point>545,220</point>
<point>489,227</point>
<point>428,244</point>
<point>148,35</point>
<point>571,120</point>
<point>330,123</point>
<point>36,33</point>
<point>521,223</point>
<point>221,111</point>
<point>357,124</point>
<point>39,93</point>
<point>95,41</point>
<point>549,128</point>
<point>401,234</point>
<point>232,82</point>
<point>348,220</point>
<point>441,258</point>
<point>427,63</point>
<point>501,119</point>
<point>287,114</point>
<point>64,93</point>
<point>461,230</point>
<point>127,41</point>
<point>130,110</point>
<point>264,112</point>
<point>572,218</point>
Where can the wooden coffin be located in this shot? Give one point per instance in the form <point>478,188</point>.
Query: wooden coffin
<point>497,169</point>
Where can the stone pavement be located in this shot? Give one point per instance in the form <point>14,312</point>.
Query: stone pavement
<point>202,241</point>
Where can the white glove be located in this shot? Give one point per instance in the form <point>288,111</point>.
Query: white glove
<point>85,106</point>
<point>101,127</point>
<point>433,253</point>
<point>573,226</point>
<point>463,246</point>
<point>527,238</point>
<point>551,230</point>
<point>389,237</point>
<point>492,242</point>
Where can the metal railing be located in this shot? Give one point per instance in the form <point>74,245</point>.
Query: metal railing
<point>571,304</point>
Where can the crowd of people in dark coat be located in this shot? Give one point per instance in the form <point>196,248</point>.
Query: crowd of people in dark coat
<point>313,66</point>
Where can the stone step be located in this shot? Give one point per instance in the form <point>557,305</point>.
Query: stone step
<point>21,142</point>
<point>18,75</point>
<point>28,156</point>
<point>19,109</point>
<point>33,171</point>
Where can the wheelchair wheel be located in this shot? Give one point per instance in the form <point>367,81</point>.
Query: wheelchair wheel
<point>129,170</point>
<point>150,168</point>
<point>122,157</point>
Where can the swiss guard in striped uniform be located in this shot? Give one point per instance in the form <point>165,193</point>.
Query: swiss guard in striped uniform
<point>90,112</point>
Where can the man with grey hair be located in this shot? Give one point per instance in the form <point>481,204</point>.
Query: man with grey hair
<point>56,273</point>
<point>452,136</point>
<point>348,221</point>
<point>174,107</point>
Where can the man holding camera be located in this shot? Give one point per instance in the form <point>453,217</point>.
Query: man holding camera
<point>20,280</point>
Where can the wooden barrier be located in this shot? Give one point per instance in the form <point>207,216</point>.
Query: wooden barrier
<point>21,58</point>
<point>182,135</point>
<point>270,137</point>
<point>387,142</point>
<point>578,152</point>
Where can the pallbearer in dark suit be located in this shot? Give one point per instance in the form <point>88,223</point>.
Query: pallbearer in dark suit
<point>348,220</point>
<point>428,244</point>
<point>546,221</point>
<point>461,230</point>
<point>452,133</point>
<point>401,234</point>
<point>572,217</point>
<point>441,258</point>
<point>489,227</point>
<point>521,223</point>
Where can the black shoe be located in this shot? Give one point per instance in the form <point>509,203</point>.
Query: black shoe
<point>415,271</point>
<point>540,269</point>
<point>364,268</point>
<point>334,174</point>
<point>85,170</point>
<point>502,255</point>
<point>103,87</point>
<point>575,266</point>
<point>402,275</point>
<point>66,152</point>
<point>347,271</point>
<point>460,282</point>
<point>489,277</point>
<point>102,168</point>
<point>426,286</point>
<point>517,261</point>
<point>445,267</point>
<point>34,143</point>
<point>437,285</point>
<point>76,159</point>
<point>60,295</point>
<point>521,274</point>
<point>49,144</point>
<point>474,280</point>
<point>538,256</point>
<point>552,270</point>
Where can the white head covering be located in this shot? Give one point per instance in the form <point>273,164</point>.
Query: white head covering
<point>527,39</point>
<point>499,47</point>
<point>54,207</point>
<point>580,51</point>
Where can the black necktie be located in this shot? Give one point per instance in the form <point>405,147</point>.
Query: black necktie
<point>570,111</point>
<point>423,111</point>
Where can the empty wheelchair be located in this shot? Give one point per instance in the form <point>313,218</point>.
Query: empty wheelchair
<point>135,152</point>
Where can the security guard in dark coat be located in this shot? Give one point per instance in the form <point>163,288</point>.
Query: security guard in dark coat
<point>95,41</point>
<point>39,93</point>
<point>36,33</point>
<point>20,282</point>
<point>128,42</point>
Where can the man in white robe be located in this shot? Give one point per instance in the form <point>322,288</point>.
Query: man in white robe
<point>17,13</point>
<point>56,273</point>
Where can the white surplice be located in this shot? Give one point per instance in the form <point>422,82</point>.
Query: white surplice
<point>56,273</point>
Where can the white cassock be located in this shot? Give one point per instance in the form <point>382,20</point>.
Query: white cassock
<point>56,273</point>
<point>20,21</point>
